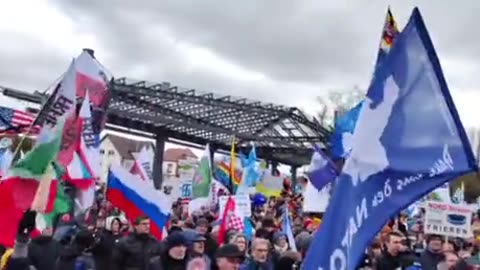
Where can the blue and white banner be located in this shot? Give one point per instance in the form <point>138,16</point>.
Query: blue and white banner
<point>322,170</point>
<point>408,141</point>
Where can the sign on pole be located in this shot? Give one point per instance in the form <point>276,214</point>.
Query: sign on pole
<point>448,219</point>
<point>242,204</point>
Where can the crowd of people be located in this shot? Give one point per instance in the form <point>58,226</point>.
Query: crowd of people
<point>403,245</point>
<point>104,239</point>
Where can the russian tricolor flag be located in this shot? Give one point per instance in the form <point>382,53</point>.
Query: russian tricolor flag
<point>137,198</point>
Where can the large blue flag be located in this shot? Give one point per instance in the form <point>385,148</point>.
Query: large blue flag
<point>408,141</point>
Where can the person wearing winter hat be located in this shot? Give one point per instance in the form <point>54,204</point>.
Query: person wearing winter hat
<point>203,227</point>
<point>229,257</point>
<point>280,242</point>
<point>196,249</point>
<point>280,246</point>
<point>174,257</point>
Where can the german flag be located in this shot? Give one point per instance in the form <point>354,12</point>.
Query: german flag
<point>389,33</point>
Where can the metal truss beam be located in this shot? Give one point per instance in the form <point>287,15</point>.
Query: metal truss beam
<point>281,134</point>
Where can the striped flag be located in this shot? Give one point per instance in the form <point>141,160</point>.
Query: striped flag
<point>389,34</point>
<point>16,121</point>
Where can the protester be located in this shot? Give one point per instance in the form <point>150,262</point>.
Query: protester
<point>106,240</point>
<point>204,228</point>
<point>103,239</point>
<point>241,242</point>
<point>392,256</point>
<point>137,249</point>
<point>173,257</point>
<point>44,251</point>
<point>259,257</point>
<point>17,258</point>
<point>433,255</point>
<point>229,257</point>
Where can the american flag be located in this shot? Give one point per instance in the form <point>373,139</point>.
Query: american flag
<point>16,121</point>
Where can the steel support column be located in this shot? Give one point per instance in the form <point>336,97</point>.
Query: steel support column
<point>212,149</point>
<point>274,167</point>
<point>158,160</point>
<point>293,172</point>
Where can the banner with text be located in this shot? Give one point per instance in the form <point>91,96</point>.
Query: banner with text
<point>448,219</point>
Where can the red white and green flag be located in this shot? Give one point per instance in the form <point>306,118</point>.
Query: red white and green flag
<point>30,183</point>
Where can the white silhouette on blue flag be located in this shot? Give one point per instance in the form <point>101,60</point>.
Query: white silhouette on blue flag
<point>408,141</point>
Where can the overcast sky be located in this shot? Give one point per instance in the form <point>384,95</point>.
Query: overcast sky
<point>279,51</point>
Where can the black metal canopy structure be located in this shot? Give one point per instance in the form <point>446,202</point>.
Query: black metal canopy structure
<point>281,134</point>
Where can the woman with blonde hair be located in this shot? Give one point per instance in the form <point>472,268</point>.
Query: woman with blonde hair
<point>241,241</point>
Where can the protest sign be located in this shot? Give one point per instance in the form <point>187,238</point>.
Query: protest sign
<point>242,204</point>
<point>448,219</point>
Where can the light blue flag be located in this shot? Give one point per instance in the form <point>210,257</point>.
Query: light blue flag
<point>344,128</point>
<point>287,229</point>
<point>408,141</point>
<point>248,228</point>
<point>250,168</point>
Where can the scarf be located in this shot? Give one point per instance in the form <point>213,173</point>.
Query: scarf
<point>281,249</point>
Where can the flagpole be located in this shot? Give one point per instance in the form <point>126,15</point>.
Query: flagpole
<point>37,118</point>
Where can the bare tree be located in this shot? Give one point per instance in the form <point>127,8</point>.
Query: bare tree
<point>337,101</point>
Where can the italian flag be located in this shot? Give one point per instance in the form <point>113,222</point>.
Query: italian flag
<point>29,184</point>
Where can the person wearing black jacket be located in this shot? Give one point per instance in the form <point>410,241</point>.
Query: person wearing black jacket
<point>136,250</point>
<point>432,255</point>
<point>106,240</point>
<point>18,259</point>
<point>392,256</point>
<point>203,228</point>
<point>78,253</point>
<point>44,251</point>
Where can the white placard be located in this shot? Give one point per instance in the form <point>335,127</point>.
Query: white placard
<point>315,201</point>
<point>242,205</point>
<point>448,219</point>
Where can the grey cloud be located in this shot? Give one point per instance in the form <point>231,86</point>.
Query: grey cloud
<point>304,48</point>
<point>27,63</point>
<point>281,39</point>
<point>307,41</point>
